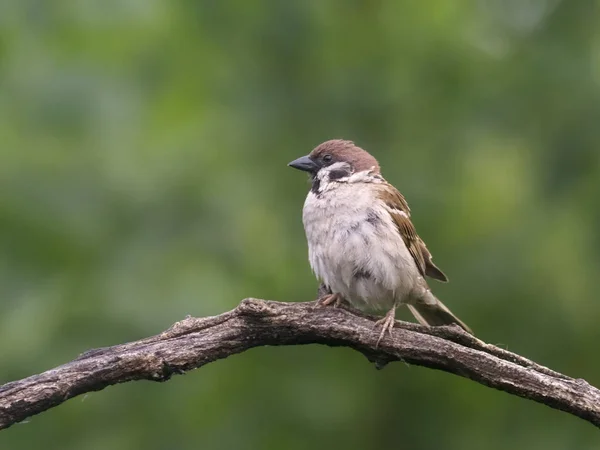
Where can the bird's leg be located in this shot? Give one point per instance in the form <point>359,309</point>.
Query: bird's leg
<point>386,324</point>
<point>331,299</point>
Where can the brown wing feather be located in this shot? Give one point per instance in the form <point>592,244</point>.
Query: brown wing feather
<point>431,269</point>
<point>400,213</point>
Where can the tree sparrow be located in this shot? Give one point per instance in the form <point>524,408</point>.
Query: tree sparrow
<point>361,242</point>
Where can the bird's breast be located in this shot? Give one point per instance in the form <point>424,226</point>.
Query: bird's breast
<point>355,248</point>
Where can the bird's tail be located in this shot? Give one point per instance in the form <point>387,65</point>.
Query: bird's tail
<point>435,313</point>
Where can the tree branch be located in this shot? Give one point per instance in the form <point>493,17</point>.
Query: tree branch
<point>194,342</point>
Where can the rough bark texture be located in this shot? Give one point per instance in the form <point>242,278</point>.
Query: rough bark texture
<point>194,342</point>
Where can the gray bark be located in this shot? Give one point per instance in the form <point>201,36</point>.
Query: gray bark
<point>194,342</point>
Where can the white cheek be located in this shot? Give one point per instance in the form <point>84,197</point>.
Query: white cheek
<point>325,183</point>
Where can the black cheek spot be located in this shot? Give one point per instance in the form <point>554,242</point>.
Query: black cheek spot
<point>337,174</point>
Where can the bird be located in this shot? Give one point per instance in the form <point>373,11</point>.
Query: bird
<point>362,244</point>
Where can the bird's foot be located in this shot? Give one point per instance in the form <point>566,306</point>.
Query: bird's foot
<point>331,299</point>
<point>386,324</point>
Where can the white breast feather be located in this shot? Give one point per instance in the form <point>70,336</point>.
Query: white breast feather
<point>350,232</point>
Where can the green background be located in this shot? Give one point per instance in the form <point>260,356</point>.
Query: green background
<point>143,152</point>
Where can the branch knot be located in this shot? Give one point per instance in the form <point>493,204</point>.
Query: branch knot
<point>255,307</point>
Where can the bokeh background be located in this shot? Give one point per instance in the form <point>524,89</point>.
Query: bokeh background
<point>143,152</point>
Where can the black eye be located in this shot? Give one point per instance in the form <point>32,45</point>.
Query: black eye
<point>327,158</point>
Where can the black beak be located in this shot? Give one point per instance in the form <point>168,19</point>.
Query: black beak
<point>305,163</point>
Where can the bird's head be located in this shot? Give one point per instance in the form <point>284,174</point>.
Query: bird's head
<point>336,160</point>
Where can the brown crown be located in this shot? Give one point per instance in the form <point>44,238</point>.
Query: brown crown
<point>346,151</point>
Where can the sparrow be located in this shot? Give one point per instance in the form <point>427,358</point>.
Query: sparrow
<point>362,244</point>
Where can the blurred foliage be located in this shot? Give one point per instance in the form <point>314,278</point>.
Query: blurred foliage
<point>143,177</point>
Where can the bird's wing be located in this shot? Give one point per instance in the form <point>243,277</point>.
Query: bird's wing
<point>400,212</point>
<point>431,270</point>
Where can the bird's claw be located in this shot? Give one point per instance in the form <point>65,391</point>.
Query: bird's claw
<point>331,299</point>
<point>386,324</point>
